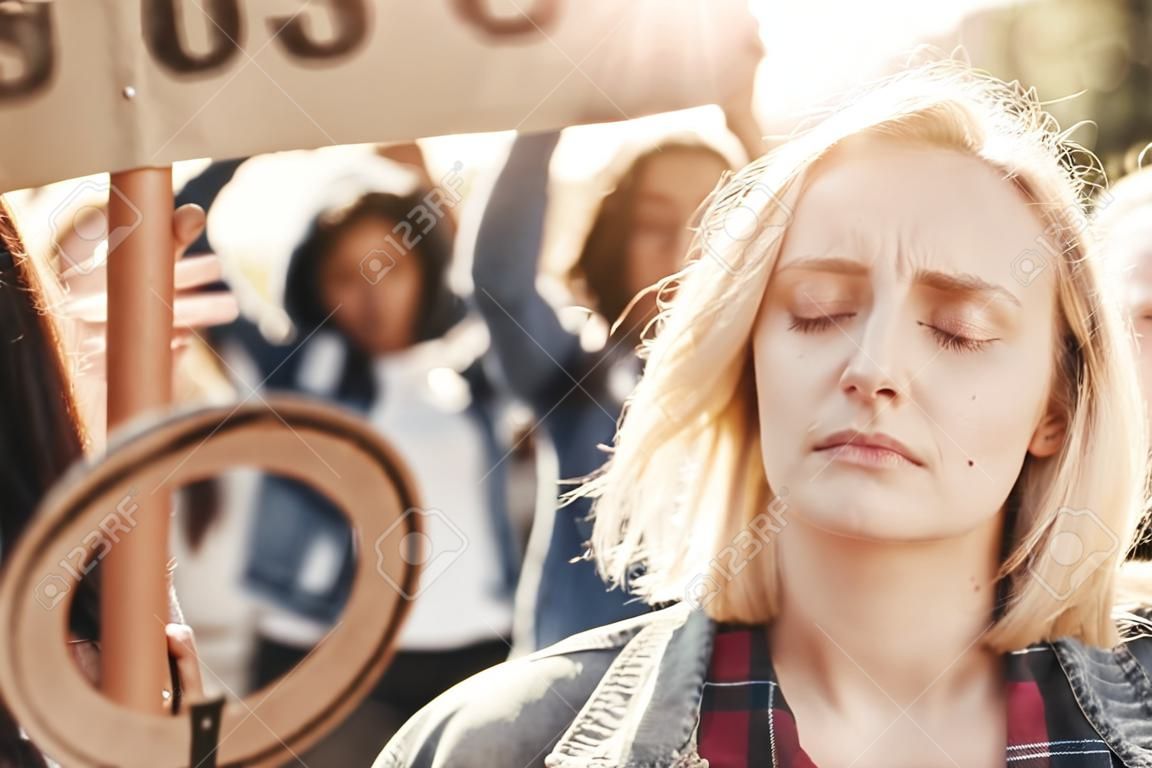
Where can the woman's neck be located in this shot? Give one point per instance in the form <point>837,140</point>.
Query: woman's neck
<point>902,622</point>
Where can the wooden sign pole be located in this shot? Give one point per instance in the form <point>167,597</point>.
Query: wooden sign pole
<point>134,589</point>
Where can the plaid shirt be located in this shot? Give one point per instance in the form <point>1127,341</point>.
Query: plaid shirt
<point>745,721</point>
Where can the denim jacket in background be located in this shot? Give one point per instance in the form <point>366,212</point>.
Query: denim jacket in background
<point>629,695</point>
<point>575,396</point>
<point>291,520</point>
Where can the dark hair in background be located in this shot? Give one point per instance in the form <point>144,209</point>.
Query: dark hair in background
<point>40,434</point>
<point>439,308</point>
<point>598,269</point>
<point>202,511</point>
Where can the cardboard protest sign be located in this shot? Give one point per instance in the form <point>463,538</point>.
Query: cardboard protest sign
<point>108,85</point>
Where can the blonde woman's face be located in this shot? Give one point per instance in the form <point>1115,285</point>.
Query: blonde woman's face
<point>904,350</point>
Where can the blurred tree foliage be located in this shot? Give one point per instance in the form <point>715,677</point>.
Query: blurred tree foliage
<point>1091,60</point>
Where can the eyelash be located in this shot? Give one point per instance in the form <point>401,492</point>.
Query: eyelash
<point>950,341</point>
<point>815,324</point>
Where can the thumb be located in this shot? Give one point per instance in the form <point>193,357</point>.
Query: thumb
<point>187,224</point>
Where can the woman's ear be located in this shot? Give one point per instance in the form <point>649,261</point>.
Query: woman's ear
<point>1049,435</point>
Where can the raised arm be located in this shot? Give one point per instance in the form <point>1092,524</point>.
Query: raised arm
<point>245,331</point>
<point>532,347</point>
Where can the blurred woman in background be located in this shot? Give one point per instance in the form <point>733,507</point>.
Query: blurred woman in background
<point>379,330</point>
<point>1124,221</point>
<point>639,235</point>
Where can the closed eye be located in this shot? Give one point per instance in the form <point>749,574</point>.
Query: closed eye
<point>957,342</point>
<point>952,341</point>
<point>817,324</point>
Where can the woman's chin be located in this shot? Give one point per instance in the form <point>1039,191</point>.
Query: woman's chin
<point>875,519</point>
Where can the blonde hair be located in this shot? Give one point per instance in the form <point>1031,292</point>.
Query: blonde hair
<point>686,479</point>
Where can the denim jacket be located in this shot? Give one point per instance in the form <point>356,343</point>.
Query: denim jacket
<point>292,520</point>
<point>628,696</point>
<point>569,390</point>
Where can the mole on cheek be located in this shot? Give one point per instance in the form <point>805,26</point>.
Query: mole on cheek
<point>971,463</point>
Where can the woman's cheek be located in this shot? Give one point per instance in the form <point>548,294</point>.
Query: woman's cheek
<point>982,429</point>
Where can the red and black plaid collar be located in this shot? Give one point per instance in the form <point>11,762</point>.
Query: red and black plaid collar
<point>745,722</point>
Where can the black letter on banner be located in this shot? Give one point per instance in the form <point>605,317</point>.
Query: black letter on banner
<point>350,17</point>
<point>162,35</point>
<point>539,18</point>
<point>28,28</point>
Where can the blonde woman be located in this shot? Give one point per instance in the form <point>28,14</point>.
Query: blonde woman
<point>887,454</point>
<point>1124,226</point>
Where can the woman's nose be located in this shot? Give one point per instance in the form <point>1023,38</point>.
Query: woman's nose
<point>872,370</point>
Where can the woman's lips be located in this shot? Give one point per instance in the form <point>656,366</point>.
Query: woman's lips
<point>874,450</point>
<point>866,456</point>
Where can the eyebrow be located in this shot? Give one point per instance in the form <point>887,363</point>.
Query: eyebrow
<point>942,281</point>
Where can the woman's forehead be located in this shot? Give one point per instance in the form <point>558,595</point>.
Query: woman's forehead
<point>914,207</point>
